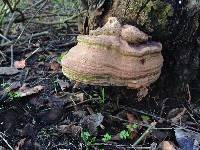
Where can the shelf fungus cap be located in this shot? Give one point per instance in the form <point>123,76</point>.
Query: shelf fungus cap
<point>112,27</point>
<point>133,35</point>
<point>111,60</point>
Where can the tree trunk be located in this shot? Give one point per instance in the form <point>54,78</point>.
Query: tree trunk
<point>174,23</point>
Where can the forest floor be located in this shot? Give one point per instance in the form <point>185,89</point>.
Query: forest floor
<point>42,109</point>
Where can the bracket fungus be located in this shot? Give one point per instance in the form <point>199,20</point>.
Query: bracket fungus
<point>114,55</point>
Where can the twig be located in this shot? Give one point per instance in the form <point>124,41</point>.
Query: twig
<point>1,53</point>
<point>153,124</point>
<point>121,145</point>
<point>9,26</point>
<point>32,53</point>
<point>29,41</point>
<point>126,121</point>
<point>141,112</point>
<point>67,44</point>
<point>11,56</point>
<point>2,36</point>
<point>85,101</point>
<point>34,5</point>
<point>17,20</point>
<point>26,37</point>
<point>30,21</point>
<point>189,93</point>
<point>39,34</point>
<point>1,136</point>
<point>60,22</point>
<point>173,124</point>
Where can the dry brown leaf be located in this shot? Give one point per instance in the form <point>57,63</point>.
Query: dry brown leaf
<point>131,118</point>
<point>116,138</point>
<point>20,64</point>
<point>26,91</point>
<point>2,148</point>
<point>63,84</point>
<point>80,96</point>
<point>20,144</point>
<point>14,85</point>
<point>55,66</point>
<point>166,145</point>
<point>27,144</point>
<point>71,129</point>
<point>177,114</point>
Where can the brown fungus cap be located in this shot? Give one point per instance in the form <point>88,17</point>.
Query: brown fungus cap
<point>133,35</point>
<point>111,60</point>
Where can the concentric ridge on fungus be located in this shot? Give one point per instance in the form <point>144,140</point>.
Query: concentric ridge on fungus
<point>120,59</point>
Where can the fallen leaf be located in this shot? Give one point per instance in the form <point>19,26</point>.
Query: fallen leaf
<point>79,113</point>
<point>187,139</point>
<point>20,144</point>
<point>166,145</point>
<point>70,129</point>
<point>80,96</point>
<point>131,118</point>
<point>177,114</point>
<point>8,71</point>
<point>26,91</point>
<point>20,64</point>
<point>27,144</point>
<point>116,137</point>
<point>55,66</point>
<point>2,148</point>
<point>91,122</point>
<point>15,85</point>
<point>46,117</point>
<point>63,84</point>
<point>28,131</point>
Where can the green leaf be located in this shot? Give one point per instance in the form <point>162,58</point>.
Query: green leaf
<point>145,118</point>
<point>124,135</point>
<point>107,137</point>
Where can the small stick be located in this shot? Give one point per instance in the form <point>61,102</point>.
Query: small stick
<point>29,21</point>
<point>1,136</point>
<point>2,36</point>
<point>34,5</point>
<point>92,112</point>
<point>59,22</point>
<point>11,56</point>
<point>121,145</point>
<point>32,53</point>
<point>189,94</point>
<point>83,102</point>
<point>26,37</point>
<point>9,26</point>
<point>153,124</point>
<point>76,85</point>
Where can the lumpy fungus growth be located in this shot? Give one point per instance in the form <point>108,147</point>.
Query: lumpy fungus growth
<point>114,55</point>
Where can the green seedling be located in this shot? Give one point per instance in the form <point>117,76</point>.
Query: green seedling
<point>88,139</point>
<point>145,118</point>
<point>124,135</point>
<point>107,137</point>
<point>13,95</point>
<point>132,127</point>
<point>102,97</point>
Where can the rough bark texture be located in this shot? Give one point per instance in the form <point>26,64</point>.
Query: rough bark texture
<point>174,24</point>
